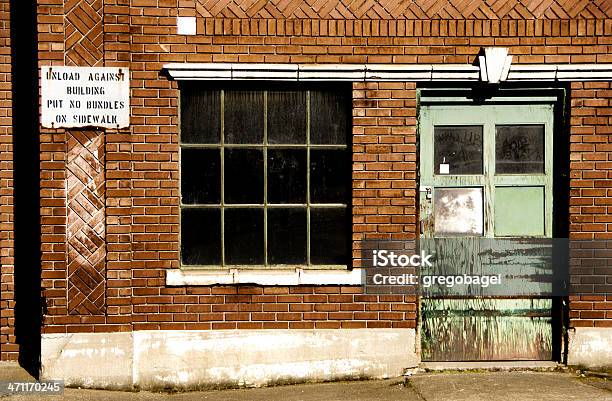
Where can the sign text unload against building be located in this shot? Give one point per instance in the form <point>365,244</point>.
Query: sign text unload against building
<point>75,97</point>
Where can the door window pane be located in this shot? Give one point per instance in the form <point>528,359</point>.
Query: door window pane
<point>329,244</point>
<point>243,176</point>
<point>458,211</point>
<point>286,117</point>
<point>200,115</point>
<point>329,117</point>
<point>201,236</point>
<point>201,176</point>
<point>286,236</point>
<point>460,147</point>
<point>244,233</point>
<point>519,149</point>
<point>519,211</point>
<point>330,170</point>
<point>287,175</point>
<point>244,117</point>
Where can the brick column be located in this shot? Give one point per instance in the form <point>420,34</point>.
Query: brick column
<point>8,348</point>
<point>85,174</point>
<point>591,200</point>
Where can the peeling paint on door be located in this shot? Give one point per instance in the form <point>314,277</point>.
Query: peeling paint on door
<point>483,327</point>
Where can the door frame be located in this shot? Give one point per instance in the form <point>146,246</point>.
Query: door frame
<point>516,94</point>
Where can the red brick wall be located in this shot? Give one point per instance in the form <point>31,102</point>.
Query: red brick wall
<point>384,161</point>
<point>53,170</point>
<point>142,211</point>
<point>591,195</point>
<point>8,349</point>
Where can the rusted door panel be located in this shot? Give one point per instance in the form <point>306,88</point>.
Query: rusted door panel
<point>525,265</point>
<point>486,329</point>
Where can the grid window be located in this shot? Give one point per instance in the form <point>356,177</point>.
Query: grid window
<point>265,177</point>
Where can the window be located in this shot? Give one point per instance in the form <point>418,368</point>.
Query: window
<point>265,176</point>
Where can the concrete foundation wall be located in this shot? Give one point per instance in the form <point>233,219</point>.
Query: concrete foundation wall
<point>590,346</point>
<point>88,359</point>
<point>225,358</point>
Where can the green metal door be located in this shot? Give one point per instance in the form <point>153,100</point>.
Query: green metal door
<point>485,172</point>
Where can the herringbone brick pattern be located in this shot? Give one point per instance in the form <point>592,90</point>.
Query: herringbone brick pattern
<point>83,42</point>
<point>405,9</point>
<point>86,228</point>
<point>83,32</point>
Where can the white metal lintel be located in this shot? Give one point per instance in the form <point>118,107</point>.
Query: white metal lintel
<point>491,72</point>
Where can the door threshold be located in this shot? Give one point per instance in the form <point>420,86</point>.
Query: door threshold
<point>489,365</point>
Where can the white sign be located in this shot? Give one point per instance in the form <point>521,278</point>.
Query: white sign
<point>74,97</point>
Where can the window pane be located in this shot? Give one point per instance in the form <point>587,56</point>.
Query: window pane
<point>244,232</point>
<point>460,147</point>
<point>200,115</point>
<point>201,236</point>
<point>286,117</point>
<point>286,236</point>
<point>330,117</point>
<point>519,211</point>
<point>330,176</point>
<point>243,176</point>
<point>519,149</point>
<point>244,117</point>
<point>329,236</point>
<point>458,211</point>
<point>286,176</point>
<point>200,176</point>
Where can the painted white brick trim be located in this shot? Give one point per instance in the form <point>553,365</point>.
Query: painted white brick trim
<point>186,25</point>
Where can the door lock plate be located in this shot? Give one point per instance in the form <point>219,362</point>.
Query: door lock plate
<point>428,191</point>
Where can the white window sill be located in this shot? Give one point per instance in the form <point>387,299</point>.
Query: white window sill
<point>180,277</point>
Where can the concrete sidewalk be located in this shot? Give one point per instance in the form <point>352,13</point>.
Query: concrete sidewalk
<point>489,386</point>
